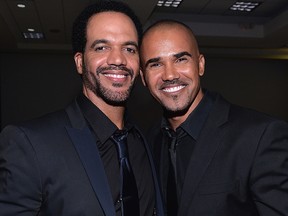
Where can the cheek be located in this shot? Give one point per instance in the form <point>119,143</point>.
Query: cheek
<point>136,67</point>
<point>190,72</point>
<point>152,81</point>
<point>134,63</point>
<point>94,60</point>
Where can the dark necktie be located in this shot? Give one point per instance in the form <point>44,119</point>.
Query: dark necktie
<point>172,192</point>
<point>128,190</point>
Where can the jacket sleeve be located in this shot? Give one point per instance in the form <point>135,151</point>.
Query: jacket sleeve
<point>269,175</point>
<point>20,184</point>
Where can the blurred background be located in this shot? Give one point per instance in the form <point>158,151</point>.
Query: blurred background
<point>245,44</point>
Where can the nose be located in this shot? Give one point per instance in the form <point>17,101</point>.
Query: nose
<point>116,57</point>
<point>170,73</point>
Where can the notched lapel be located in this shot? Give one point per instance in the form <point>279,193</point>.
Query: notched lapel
<point>206,147</point>
<point>86,147</point>
<point>89,155</point>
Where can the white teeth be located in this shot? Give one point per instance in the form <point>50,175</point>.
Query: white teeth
<point>118,76</point>
<point>173,89</point>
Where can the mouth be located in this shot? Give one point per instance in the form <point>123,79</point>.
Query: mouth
<point>115,76</point>
<point>173,89</point>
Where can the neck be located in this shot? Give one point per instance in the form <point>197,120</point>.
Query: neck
<point>114,113</point>
<point>175,122</point>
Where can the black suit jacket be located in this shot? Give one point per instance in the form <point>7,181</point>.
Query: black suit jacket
<point>52,166</point>
<point>239,166</point>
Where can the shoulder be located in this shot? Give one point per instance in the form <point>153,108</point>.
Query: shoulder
<point>46,124</point>
<point>253,117</point>
<point>242,115</point>
<point>239,121</point>
<point>53,119</point>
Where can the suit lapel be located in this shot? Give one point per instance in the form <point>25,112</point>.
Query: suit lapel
<point>207,145</point>
<point>159,200</point>
<point>86,147</point>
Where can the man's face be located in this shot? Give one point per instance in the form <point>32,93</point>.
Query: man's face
<point>110,62</point>
<point>172,67</point>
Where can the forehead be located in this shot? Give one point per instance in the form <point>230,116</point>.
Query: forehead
<point>111,23</point>
<point>167,40</point>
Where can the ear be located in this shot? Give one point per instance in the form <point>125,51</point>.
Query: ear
<point>142,77</point>
<point>201,65</point>
<point>78,58</point>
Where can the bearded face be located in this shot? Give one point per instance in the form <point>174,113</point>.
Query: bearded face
<point>118,92</point>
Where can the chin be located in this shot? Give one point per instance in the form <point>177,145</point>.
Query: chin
<point>175,111</point>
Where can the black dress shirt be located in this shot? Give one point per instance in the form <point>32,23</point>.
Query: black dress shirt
<point>186,136</point>
<point>102,127</point>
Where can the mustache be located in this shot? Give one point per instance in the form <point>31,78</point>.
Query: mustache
<point>120,68</point>
<point>172,82</point>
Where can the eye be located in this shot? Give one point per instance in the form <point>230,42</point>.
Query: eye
<point>154,65</point>
<point>100,48</point>
<point>182,59</point>
<point>131,50</point>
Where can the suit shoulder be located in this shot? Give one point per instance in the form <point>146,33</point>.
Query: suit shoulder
<point>251,115</point>
<point>225,112</point>
<point>246,119</point>
<point>47,121</point>
<point>39,133</point>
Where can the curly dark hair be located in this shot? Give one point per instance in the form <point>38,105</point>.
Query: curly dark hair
<point>80,24</point>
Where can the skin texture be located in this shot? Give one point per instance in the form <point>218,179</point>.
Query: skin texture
<point>172,67</point>
<point>110,63</point>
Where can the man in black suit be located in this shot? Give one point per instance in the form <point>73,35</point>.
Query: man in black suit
<point>214,158</point>
<point>66,163</point>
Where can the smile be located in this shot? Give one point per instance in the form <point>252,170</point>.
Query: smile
<point>116,76</point>
<point>173,89</point>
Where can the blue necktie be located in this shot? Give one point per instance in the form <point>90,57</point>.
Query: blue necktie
<point>128,190</point>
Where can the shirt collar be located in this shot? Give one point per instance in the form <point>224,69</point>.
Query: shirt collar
<point>100,123</point>
<point>195,121</point>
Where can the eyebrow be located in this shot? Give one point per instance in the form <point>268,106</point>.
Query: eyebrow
<point>152,61</point>
<point>131,43</point>
<point>98,42</point>
<point>177,55</point>
<point>104,41</point>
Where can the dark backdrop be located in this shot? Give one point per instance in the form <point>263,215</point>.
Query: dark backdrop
<point>33,84</point>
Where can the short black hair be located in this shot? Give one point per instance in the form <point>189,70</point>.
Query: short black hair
<point>80,24</point>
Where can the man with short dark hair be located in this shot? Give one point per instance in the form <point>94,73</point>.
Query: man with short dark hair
<point>88,159</point>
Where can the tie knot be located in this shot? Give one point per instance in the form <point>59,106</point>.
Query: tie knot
<point>172,136</point>
<point>120,139</point>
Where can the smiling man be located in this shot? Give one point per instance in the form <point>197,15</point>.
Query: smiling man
<point>75,161</point>
<point>110,62</point>
<point>173,67</point>
<point>213,158</point>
